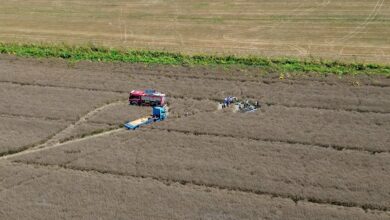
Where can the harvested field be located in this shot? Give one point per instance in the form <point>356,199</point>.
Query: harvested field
<point>338,130</point>
<point>318,148</point>
<point>288,170</point>
<point>44,191</point>
<point>52,103</point>
<point>324,92</point>
<point>18,133</point>
<point>345,30</point>
<point>81,130</point>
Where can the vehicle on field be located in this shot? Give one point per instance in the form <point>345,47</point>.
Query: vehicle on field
<point>158,114</point>
<point>147,97</point>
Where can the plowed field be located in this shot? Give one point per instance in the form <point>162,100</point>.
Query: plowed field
<point>317,149</point>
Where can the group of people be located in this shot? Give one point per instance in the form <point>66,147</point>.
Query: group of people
<point>230,100</point>
<point>227,101</point>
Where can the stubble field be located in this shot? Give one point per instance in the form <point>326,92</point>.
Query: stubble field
<point>337,30</point>
<point>317,149</point>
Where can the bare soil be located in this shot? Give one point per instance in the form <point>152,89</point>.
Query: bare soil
<point>318,147</point>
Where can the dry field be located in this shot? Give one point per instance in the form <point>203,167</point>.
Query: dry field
<point>317,149</point>
<point>344,29</point>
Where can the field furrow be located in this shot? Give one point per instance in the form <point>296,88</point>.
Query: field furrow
<point>100,196</point>
<point>339,130</point>
<point>286,170</point>
<point>110,79</point>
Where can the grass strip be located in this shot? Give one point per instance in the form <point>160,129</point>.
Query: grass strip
<point>102,54</point>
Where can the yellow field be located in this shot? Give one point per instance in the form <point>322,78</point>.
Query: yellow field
<point>344,29</point>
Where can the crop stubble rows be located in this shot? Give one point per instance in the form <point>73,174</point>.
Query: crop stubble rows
<point>338,130</point>
<point>289,170</point>
<point>220,150</point>
<point>104,196</point>
<point>349,30</point>
<point>120,78</point>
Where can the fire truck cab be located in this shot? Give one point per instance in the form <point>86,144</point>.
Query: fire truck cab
<point>148,97</point>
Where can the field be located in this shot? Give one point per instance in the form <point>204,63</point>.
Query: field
<point>336,30</point>
<point>317,149</point>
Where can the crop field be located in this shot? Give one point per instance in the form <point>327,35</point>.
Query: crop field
<point>318,148</point>
<point>353,30</point>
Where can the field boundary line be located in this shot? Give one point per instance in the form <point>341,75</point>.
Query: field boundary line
<point>326,146</point>
<point>102,54</point>
<point>188,183</point>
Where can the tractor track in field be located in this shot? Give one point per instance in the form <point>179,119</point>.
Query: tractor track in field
<point>55,141</point>
<point>40,147</point>
<point>327,146</point>
<point>168,182</point>
<point>198,98</point>
<point>43,145</point>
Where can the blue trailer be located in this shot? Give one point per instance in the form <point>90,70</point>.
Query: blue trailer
<point>158,114</point>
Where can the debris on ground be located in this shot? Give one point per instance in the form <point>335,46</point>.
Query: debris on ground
<point>238,105</point>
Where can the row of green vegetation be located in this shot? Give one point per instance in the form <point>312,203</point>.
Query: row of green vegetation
<point>102,54</point>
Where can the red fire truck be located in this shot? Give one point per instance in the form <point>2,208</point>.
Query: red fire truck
<point>147,97</point>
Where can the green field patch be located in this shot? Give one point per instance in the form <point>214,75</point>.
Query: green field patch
<point>102,54</point>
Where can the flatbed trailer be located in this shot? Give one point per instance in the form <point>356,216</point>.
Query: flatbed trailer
<point>158,114</point>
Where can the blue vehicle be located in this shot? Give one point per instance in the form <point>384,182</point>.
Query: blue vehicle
<point>158,114</point>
